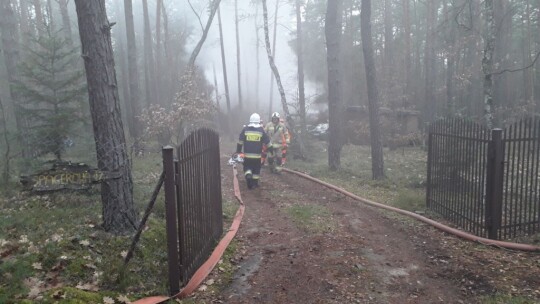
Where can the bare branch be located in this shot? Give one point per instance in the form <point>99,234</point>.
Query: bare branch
<point>520,69</point>
<point>196,14</point>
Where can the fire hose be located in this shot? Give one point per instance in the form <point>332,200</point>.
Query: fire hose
<point>456,232</point>
<point>205,269</point>
<point>201,274</point>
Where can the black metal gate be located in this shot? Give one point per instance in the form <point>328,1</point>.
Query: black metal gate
<point>486,182</point>
<point>193,204</point>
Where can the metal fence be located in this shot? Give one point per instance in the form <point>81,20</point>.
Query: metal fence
<point>193,204</point>
<point>486,182</point>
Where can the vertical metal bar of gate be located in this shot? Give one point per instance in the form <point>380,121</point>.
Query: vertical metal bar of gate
<point>494,184</point>
<point>170,217</point>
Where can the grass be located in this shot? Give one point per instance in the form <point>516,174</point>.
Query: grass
<point>54,243</point>
<point>405,170</point>
<point>311,218</point>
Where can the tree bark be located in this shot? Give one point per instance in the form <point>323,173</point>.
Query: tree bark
<point>377,161</point>
<point>271,101</point>
<point>257,47</point>
<point>429,62</point>
<point>224,64</point>
<point>214,7</point>
<point>238,66</point>
<point>149,70</point>
<point>487,63</point>
<point>120,38</point>
<point>299,53</point>
<point>159,53</point>
<point>134,90</point>
<point>407,41</point>
<point>333,40</point>
<point>216,85</point>
<point>119,214</point>
<point>7,146</point>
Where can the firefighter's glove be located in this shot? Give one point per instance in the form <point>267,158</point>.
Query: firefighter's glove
<point>270,149</point>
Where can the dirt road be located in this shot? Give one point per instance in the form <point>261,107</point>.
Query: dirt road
<point>302,243</point>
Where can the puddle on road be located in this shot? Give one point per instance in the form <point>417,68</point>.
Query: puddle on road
<point>247,268</point>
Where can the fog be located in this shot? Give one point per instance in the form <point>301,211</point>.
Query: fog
<point>250,21</point>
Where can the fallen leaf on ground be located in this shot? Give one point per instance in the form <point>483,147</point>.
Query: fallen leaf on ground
<point>37,266</point>
<point>203,288</point>
<point>108,300</point>
<point>123,299</point>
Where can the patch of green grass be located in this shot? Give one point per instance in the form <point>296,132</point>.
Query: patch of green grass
<point>229,209</point>
<point>405,170</point>
<point>506,299</point>
<point>312,218</point>
<point>13,272</point>
<point>410,200</point>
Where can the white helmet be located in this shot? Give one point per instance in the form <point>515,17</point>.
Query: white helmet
<point>255,120</point>
<point>275,115</point>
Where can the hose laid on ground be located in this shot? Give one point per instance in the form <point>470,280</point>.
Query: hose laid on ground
<point>205,269</point>
<point>459,233</point>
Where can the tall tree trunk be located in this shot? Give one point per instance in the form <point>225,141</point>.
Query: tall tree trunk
<point>238,66</point>
<point>216,85</point>
<point>159,53</point>
<point>299,52</point>
<point>10,49</point>
<point>528,74</point>
<point>271,101</point>
<point>213,9</point>
<point>388,40</point>
<point>275,71</point>
<point>119,214</point>
<point>257,47</point>
<point>408,51</point>
<point>24,22</point>
<point>40,23</point>
<point>121,42</point>
<point>450,59</point>
<point>7,146</point>
<point>224,63</point>
<point>429,64</point>
<point>487,63</point>
<point>149,70</point>
<point>333,24</point>
<point>377,161</point>
<point>134,90</point>
<point>50,17</point>
<point>66,22</point>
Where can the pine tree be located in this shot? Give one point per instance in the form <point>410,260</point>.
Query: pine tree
<point>52,92</point>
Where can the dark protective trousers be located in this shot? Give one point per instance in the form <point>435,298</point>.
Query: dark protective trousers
<point>252,171</point>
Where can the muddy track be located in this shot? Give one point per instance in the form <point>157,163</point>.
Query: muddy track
<point>345,252</point>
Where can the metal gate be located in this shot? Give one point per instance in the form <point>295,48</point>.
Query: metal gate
<point>485,181</point>
<point>193,204</point>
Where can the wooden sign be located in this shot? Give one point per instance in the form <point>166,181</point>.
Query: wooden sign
<point>65,176</point>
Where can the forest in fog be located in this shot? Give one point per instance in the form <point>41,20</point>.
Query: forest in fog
<point>355,65</point>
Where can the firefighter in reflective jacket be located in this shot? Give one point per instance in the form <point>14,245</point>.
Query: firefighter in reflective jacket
<point>252,138</point>
<point>287,143</point>
<point>276,131</point>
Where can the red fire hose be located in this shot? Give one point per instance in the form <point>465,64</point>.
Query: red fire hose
<point>462,234</point>
<point>212,261</point>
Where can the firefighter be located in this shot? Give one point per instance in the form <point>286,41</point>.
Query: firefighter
<point>252,138</point>
<point>276,131</point>
<point>287,143</point>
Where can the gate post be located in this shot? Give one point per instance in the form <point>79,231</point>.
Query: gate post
<point>429,164</point>
<point>494,184</point>
<point>170,217</point>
